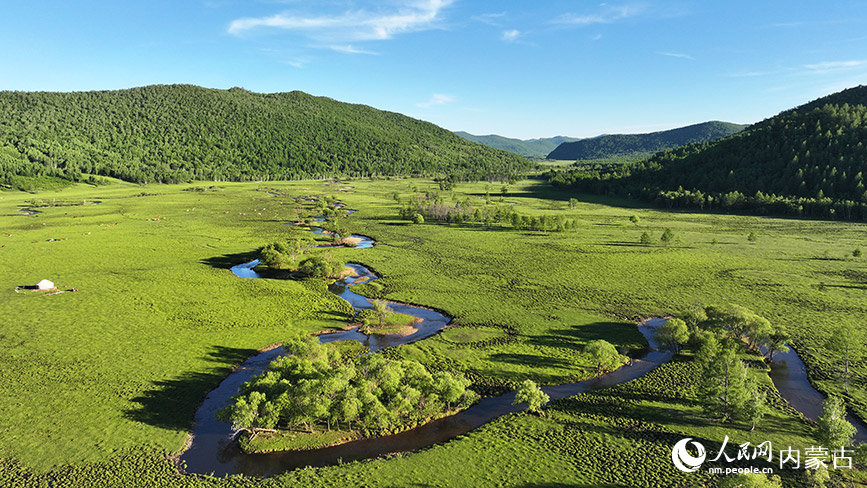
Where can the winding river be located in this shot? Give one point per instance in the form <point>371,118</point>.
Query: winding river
<point>211,450</point>
<point>790,377</point>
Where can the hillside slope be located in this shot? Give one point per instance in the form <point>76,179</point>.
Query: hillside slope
<point>530,148</point>
<point>615,145</point>
<point>174,133</point>
<point>807,161</point>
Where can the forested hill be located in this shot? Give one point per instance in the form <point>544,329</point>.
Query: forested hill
<point>531,148</point>
<point>178,133</point>
<point>643,144</point>
<point>808,161</point>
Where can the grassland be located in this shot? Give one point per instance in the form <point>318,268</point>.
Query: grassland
<point>101,384</point>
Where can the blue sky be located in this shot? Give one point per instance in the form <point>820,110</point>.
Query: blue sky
<point>516,68</point>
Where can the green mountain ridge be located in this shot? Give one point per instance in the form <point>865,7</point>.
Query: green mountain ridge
<point>618,145</point>
<point>807,161</point>
<point>179,133</point>
<point>530,148</point>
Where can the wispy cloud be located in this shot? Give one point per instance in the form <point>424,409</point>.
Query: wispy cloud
<point>834,66</point>
<point>437,99</point>
<point>510,35</point>
<point>809,23</point>
<point>676,55</point>
<point>350,25</point>
<point>297,62</point>
<point>606,15</point>
<point>596,37</point>
<point>490,19</point>
<point>349,49</point>
<point>750,74</point>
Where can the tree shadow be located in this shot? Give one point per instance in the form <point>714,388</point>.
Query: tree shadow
<point>530,360</point>
<point>226,261</point>
<point>171,404</point>
<point>582,334</point>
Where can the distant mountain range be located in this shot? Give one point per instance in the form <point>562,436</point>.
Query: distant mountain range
<point>179,133</point>
<point>530,148</point>
<point>608,146</point>
<point>808,161</point>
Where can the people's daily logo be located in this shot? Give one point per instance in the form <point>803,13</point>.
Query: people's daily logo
<point>814,457</point>
<point>685,461</point>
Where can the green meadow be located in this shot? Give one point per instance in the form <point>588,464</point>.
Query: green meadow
<point>101,384</point>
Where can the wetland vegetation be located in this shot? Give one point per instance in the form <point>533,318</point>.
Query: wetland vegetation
<point>520,313</point>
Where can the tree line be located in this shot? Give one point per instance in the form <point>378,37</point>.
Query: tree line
<point>808,162</point>
<point>433,206</point>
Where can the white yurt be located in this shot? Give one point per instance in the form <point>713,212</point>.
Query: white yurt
<point>45,285</point>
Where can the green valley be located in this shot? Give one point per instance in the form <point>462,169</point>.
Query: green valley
<point>150,264</point>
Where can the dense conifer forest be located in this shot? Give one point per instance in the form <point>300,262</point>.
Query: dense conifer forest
<point>180,133</point>
<point>809,161</point>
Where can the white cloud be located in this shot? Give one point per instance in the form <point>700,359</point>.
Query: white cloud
<point>349,49</point>
<point>297,62</point>
<point>607,15</point>
<point>351,25</point>
<point>676,55</point>
<point>813,23</point>
<point>437,99</point>
<point>596,37</point>
<point>490,19</point>
<point>750,74</point>
<point>833,66</point>
<point>510,35</point>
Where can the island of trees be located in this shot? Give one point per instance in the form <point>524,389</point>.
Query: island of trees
<point>315,390</point>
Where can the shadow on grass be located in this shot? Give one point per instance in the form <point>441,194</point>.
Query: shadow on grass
<point>851,287</point>
<point>578,336</point>
<point>171,404</point>
<point>226,261</point>
<point>530,360</point>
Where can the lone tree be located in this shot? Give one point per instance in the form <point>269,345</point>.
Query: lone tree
<point>673,334</point>
<point>573,203</point>
<point>776,342</point>
<point>726,391</point>
<point>847,344</point>
<point>752,237</point>
<point>635,219</point>
<point>321,265</point>
<point>604,355</point>
<point>667,236</point>
<point>530,393</point>
<point>645,238</point>
<point>833,428</point>
<point>381,309</point>
<point>418,218</point>
<point>756,405</point>
<point>694,316</point>
<point>856,253</point>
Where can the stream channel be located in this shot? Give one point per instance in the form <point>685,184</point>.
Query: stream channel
<point>212,451</point>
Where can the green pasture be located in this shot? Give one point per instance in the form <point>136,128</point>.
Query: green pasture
<point>100,385</point>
